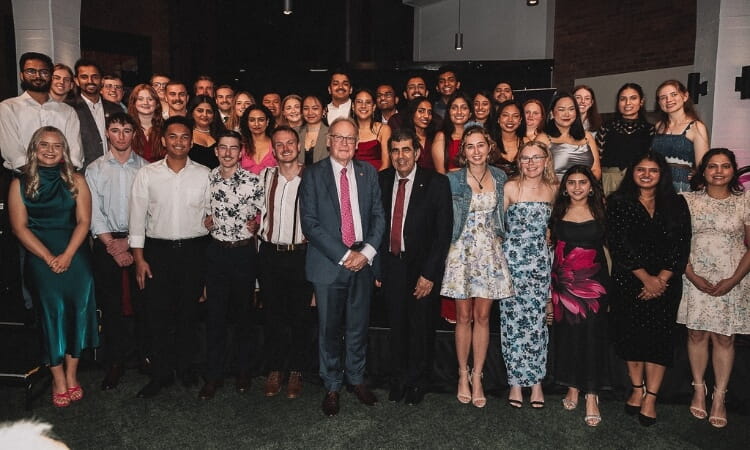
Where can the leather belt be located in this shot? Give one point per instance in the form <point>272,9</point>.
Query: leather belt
<point>177,243</point>
<point>233,244</point>
<point>286,247</point>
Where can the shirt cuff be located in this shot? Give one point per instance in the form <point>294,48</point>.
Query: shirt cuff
<point>346,255</point>
<point>370,252</point>
<point>136,241</point>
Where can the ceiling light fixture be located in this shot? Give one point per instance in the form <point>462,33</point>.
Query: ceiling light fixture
<point>459,37</point>
<point>287,7</point>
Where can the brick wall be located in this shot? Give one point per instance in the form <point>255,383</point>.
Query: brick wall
<point>600,37</point>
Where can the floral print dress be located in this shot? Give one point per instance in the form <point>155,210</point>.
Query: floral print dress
<point>523,331</point>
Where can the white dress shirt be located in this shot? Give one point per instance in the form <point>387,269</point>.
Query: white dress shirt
<point>407,196</point>
<point>287,226</point>
<point>368,250</point>
<point>21,116</point>
<point>168,205</point>
<point>334,112</point>
<point>97,111</point>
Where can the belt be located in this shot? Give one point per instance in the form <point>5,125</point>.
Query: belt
<point>286,247</point>
<point>233,244</point>
<point>119,234</point>
<point>177,243</point>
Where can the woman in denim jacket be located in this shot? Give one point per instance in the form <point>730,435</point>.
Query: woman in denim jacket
<point>476,272</point>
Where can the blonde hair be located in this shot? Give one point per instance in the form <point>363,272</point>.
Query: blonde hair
<point>492,156</point>
<point>548,174</point>
<point>282,120</point>
<point>31,170</point>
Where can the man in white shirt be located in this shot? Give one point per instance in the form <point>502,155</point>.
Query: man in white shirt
<point>340,89</point>
<point>21,116</point>
<point>168,205</point>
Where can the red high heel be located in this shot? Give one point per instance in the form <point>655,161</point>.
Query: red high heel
<point>75,393</point>
<point>61,400</point>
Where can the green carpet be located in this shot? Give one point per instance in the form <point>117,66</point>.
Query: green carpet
<point>178,419</point>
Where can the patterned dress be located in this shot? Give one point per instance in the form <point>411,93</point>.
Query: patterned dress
<point>679,153</point>
<point>716,249</point>
<point>476,266</point>
<point>523,331</point>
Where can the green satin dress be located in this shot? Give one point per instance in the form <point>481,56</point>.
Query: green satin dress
<point>68,305</point>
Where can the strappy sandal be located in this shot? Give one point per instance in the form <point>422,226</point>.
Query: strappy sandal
<point>699,413</point>
<point>569,405</point>
<point>479,402</point>
<point>647,421</point>
<point>61,400</point>
<point>463,398</point>
<point>635,409</point>
<point>75,393</point>
<point>592,420</point>
<point>716,421</point>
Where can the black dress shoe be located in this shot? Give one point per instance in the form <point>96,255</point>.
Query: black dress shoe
<point>188,378</point>
<point>209,389</point>
<point>331,404</point>
<point>112,378</point>
<point>364,394</point>
<point>243,382</point>
<point>150,390</point>
<point>414,395</point>
<point>396,393</point>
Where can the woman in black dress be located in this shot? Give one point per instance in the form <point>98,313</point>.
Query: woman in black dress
<point>207,124</point>
<point>649,252</point>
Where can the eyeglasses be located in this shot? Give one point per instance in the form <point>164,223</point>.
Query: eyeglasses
<point>528,159</point>
<point>158,84</point>
<point>384,95</point>
<point>231,148</point>
<point>116,87</point>
<point>44,73</point>
<point>351,140</point>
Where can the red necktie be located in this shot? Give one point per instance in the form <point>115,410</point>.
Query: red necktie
<point>347,220</point>
<point>398,217</point>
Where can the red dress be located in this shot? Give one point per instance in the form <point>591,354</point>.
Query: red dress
<point>369,151</point>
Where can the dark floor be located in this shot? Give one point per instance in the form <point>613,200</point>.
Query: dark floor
<point>178,419</point>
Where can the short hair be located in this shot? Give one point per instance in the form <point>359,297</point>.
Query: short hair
<point>182,120</point>
<point>174,83</point>
<point>404,134</point>
<point>60,66</point>
<point>86,63</point>
<point>340,71</point>
<point>203,78</point>
<point>343,119</point>
<point>111,76</point>
<point>285,128</point>
<point>34,55</point>
<point>122,118</point>
<point>163,75</point>
<point>228,134</point>
<point>449,68</point>
<point>224,86</point>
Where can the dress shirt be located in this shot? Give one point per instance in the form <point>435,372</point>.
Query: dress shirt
<point>110,183</point>
<point>287,227</point>
<point>407,195</point>
<point>168,205</point>
<point>97,111</point>
<point>334,112</point>
<point>234,201</point>
<point>368,250</point>
<point>21,116</point>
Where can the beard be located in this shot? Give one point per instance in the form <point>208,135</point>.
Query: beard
<point>35,87</point>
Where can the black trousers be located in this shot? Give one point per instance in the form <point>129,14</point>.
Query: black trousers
<point>286,299</point>
<point>412,322</point>
<point>124,336</point>
<point>172,295</point>
<point>230,284</point>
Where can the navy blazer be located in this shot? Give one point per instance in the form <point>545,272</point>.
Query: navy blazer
<point>91,141</point>
<point>320,215</point>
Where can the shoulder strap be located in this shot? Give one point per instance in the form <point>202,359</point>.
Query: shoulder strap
<point>688,127</point>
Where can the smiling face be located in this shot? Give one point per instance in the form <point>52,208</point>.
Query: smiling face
<point>203,115</point>
<point>89,80</point>
<point>50,149</point>
<point>62,82</point>
<point>403,156</point>
<point>257,122</point>
<point>532,160</point>
<point>241,103</point>
<point>564,112</point>
<point>292,111</point>
<point>204,87</point>
<point>340,88</point>
<point>272,101</point>
<point>415,87</point>
<point>578,186</point>
<point>671,99</point>
<point>585,100</point>
<point>177,141</point>
<point>476,149</point>
<point>533,113</point>
<point>285,146</point>
<point>646,174</point>
<point>342,141</point>
<point>459,112</point>
<point>225,99</point>
<point>145,103</point>
<point>448,84</point>
<point>159,84</point>
<point>177,97</point>
<point>503,92</point>
<point>228,151</point>
<point>482,107</point>
<point>364,105</point>
<point>112,90</point>
<point>509,119</point>
<point>312,110</point>
<point>629,103</point>
<point>719,171</point>
<point>386,97</point>
<point>36,76</point>
<point>423,115</point>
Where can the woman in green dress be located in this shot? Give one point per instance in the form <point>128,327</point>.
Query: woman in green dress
<point>50,213</point>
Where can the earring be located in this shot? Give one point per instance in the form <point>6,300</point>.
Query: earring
<point>565,193</point>
<point>591,193</point>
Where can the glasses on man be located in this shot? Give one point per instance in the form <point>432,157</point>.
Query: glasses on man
<point>528,159</point>
<point>351,140</point>
<point>44,73</point>
<point>384,95</point>
<point>158,84</point>
<point>116,87</point>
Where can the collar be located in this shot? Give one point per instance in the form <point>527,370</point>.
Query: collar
<point>346,104</point>
<point>90,103</point>
<point>216,174</point>
<point>409,177</point>
<point>337,166</point>
<point>110,157</point>
<point>26,97</point>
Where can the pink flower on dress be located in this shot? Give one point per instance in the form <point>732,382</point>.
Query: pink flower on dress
<point>573,288</point>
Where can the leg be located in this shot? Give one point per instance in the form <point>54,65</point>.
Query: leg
<point>697,349</point>
<point>593,416</point>
<point>217,298</point>
<point>331,300</point>
<point>71,378</point>
<point>357,320</point>
<point>480,342</point>
<point>397,302</point>
<point>60,396</point>
<point>570,402</point>
<point>654,377</point>
<point>637,380</point>
<point>723,359</point>
<point>463,344</point>
<point>191,276</point>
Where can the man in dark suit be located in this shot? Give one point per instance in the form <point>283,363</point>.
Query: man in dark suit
<point>342,218</point>
<point>410,264</point>
<point>92,110</point>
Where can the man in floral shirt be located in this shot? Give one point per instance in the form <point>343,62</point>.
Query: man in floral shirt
<point>236,197</point>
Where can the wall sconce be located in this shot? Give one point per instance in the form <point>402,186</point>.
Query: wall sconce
<point>742,83</point>
<point>287,7</point>
<point>695,88</point>
<point>459,37</point>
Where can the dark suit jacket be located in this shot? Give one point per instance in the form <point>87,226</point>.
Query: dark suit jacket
<point>320,215</point>
<point>428,223</point>
<point>91,140</point>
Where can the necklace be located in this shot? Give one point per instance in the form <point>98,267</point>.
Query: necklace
<point>202,131</point>
<point>479,181</point>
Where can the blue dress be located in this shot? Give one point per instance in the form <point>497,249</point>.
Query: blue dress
<point>678,150</point>
<point>523,330</point>
<point>68,305</point>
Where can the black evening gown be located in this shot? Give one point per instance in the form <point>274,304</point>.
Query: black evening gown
<point>643,328</point>
<point>204,155</point>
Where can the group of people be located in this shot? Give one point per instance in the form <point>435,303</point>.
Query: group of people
<point>585,232</point>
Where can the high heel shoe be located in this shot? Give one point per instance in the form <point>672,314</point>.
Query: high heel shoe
<point>647,421</point>
<point>463,397</point>
<point>75,393</point>
<point>699,413</point>
<point>479,402</point>
<point>632,410</point>
<point>716,421</point>
<point>593,420</point>
<point>60,400</point>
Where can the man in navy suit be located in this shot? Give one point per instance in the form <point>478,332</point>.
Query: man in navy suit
<point>342,218</point>
<point>419,221</point>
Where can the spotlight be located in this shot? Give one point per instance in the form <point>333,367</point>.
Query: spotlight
<point>532,2</point>
<point>459,41</point>
<point>287,7</point>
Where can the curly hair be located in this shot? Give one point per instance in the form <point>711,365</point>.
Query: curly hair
<point>492,156</point>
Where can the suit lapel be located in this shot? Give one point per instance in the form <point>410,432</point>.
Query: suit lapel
<point>329,181</point>
<point>363,194</point>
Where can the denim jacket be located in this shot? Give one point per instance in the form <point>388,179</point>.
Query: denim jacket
<point>461,193</point>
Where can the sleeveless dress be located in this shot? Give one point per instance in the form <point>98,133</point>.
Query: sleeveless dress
<point>565,156</point>
<point>716,249</point>
<point>476,265</point>
<point>369,151</point>
<point>204,155</point>
<point>523,331</point>
<point>68,305</point>
<point>249,164</point>
<point>679,153</point>
<point>579,299</point>
<point>450,159</point>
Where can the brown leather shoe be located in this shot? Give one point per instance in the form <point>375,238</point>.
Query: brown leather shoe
<point>331,404</point>
<point>208,390</point>
<point>243,382</point>
<point>273,384</point>
<point>294,387</point>
<point>365,395</point>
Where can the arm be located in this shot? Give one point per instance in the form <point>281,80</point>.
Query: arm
<point>438,152</point>
<point>385,157</point>
<point>19,224</point>
<point>596,167</point>
<point>698,281</point>
<point>442,221</point>
<point>329,244</point>
<point>83,223</point>
<point>73,132</point>
<point>13,151</point>
<point>727,284</point>
<point>700,141</point>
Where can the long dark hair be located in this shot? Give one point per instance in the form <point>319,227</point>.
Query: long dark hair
<point>576,129</point>
<point>493,127</point>
<point>562,200</point>
<point>636,87</point>
<point>216,126</point>
<point>448,128</point>
<point>593,116</point>
<point>247,136</point>
<point>698,182</point>
<point>411,109</point>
